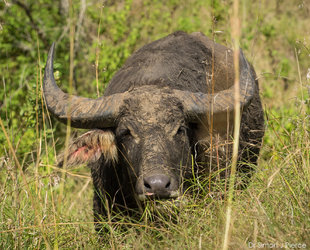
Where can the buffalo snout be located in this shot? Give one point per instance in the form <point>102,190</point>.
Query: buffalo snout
<point>158,186</point>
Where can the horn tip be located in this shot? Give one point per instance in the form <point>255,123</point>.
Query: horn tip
<point>52,49</point>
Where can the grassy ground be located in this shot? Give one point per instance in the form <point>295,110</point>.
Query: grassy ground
<point>41,207</point>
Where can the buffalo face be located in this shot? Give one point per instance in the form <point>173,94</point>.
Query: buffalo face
<point>153,137</point>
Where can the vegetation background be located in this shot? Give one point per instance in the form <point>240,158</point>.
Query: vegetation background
<point>42,206</point>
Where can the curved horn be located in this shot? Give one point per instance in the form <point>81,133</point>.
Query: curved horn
<point>83,112</point>
<point>197,105</point>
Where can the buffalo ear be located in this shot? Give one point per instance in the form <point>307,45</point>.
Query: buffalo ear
<point>90,147</point>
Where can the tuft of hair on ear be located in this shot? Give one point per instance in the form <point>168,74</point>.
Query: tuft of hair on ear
<point>89,148</point>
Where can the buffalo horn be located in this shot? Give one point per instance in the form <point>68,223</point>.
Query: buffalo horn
<point>197,105</point>
<point>82,112</point>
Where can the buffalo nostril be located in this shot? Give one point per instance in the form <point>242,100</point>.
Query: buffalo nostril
<point>157,183</point>
<point>147,185</point>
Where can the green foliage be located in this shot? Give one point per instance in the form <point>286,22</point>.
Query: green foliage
<point>26,30</point>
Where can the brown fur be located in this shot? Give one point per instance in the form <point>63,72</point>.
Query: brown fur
<point>89,147</point>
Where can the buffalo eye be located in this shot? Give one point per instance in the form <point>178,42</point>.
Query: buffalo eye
<point>124,133</point>
<point>181,131</point>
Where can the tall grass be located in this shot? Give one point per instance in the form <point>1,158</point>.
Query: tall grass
<point>37,211</point>
<point>235,23</point>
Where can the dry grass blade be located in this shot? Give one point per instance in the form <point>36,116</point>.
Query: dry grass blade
<point>235,23</point>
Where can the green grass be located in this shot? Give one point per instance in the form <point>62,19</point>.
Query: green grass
<point>34,211</point>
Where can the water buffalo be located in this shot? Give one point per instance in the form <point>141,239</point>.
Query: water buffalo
<point>172,99</point>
